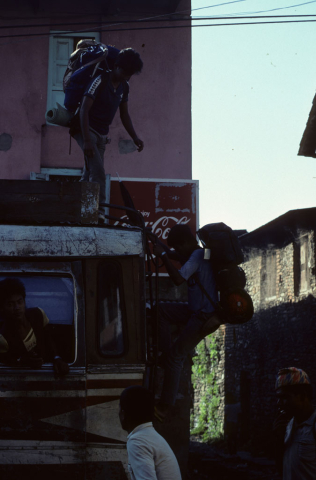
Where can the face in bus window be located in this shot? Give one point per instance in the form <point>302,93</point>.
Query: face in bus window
<point>13,308</point>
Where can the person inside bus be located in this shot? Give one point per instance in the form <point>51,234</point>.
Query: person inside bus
<point>24,336</point>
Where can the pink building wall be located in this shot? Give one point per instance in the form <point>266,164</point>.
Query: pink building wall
<point>159,105</point>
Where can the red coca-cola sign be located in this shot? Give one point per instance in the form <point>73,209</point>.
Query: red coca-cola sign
<point>163,203</point>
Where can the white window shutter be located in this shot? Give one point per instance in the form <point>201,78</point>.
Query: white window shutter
<point>60,51</point>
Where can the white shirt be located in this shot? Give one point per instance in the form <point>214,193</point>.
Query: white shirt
<point>196,264</point>
<point>149,455</point>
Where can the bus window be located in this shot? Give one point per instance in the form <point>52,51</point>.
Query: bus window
<point>111,334</point>
<point>55,296</point>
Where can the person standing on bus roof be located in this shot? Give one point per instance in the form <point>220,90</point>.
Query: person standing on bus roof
<point>104,95</point>
<point>149,455</point>
<point>24,337</point>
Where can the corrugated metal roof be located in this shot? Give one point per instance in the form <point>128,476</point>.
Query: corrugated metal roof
<point>282,230</point>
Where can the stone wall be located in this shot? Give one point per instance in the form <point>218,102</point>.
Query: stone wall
<point>282,332</point>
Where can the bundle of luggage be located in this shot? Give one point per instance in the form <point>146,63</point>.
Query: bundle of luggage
<point>222,248</point>
<point>89,60</point>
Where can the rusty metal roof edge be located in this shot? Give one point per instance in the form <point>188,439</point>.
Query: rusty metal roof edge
<point>281,230</point>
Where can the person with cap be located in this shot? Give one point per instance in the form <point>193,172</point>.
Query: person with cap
<point>198,317</point>
<point>294,398</point>
<point>149,455</point>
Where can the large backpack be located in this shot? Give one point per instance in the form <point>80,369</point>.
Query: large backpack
<point>222,243</point>
<point>224,252</point>
<point>89,60</point>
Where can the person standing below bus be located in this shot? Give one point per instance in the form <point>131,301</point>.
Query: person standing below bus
<point>149,455</point>
<point>24,336</point>
<point>197,317</point>
<point>295,400</point>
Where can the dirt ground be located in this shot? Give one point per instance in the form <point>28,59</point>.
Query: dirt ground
<point>210,462</point>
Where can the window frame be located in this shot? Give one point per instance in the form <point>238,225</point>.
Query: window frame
<point>50,74</point>
<point>304,247</point>
<point>268,285</point>
<point>123,310</point>
<point>67,269</point>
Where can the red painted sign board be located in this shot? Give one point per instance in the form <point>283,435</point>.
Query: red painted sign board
<point>163,203</point>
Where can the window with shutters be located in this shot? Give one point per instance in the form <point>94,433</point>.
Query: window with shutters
<point>304,271</point>
<point>61,47</point>
<point>268,276</point>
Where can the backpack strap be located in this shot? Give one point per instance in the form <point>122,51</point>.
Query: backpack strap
<point>74,125</point>
<point>203,290</point>
<point>71,67</point>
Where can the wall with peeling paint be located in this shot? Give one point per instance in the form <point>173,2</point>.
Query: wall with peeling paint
<point>23,101</point>
<point>159,105</point>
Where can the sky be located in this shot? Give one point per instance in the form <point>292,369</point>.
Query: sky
<point>252,91</point>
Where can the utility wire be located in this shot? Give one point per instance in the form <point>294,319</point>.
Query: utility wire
<point>187,11</point>
<point>168,14</point>
<point>155,18</point>
<point>272,9</point>
<point>150,19</point>
<point>141,19</point>
<point>193,19</point>
<point>145,19</point>
<point>283,8</point>
<point>165,27</point>
<point>190,10</point>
